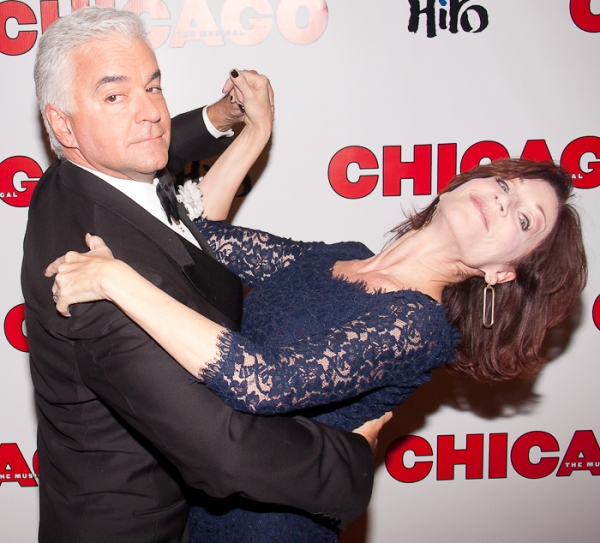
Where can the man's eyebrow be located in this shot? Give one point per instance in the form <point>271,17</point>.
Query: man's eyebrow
<point>112,79</point>
<point>154,76</point>
<point>123,79</point>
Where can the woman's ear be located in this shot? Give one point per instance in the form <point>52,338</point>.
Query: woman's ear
<point>507,275</point>
<point>494,277</point>
<point>60,123</point>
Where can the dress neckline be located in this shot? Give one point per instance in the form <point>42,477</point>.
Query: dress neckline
<point>363,287</point>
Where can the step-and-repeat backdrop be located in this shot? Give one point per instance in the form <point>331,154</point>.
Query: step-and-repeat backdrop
<point>378,104</point>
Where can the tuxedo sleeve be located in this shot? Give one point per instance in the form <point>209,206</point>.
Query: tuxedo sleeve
<point>288,461</point>
<point>190,141</point>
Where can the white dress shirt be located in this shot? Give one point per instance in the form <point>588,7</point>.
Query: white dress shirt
<point>144,194</point>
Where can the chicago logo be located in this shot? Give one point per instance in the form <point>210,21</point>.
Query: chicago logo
<point>408,459</point>
<point>581,13</point>
<point>244,22</point>
<point>14,468</point>
<point>14,328</point>
<point>18,193</point>
<point>347,177</point>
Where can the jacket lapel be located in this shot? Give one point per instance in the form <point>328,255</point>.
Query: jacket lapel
<point>105,195</point>
<point>220,287</point>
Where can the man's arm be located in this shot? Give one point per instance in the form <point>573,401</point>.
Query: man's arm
<point>286,461</point>
<point>190,138</point>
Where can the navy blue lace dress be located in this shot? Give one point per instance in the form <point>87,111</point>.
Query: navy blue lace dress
<point>316,346</point>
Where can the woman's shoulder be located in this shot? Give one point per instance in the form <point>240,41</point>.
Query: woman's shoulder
<point>343,250</point>
<point>419,312</point>
<point>434,322</point>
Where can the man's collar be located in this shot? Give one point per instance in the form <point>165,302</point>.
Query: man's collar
<point>108,178</point>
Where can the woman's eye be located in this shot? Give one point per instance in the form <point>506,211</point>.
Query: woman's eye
<point>503,184</point>
<point>525,223</point>
<point>111,98</point>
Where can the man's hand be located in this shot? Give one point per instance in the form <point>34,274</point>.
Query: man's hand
<point>229,110</point>
<point>225,113</point>
<point>370,429</point>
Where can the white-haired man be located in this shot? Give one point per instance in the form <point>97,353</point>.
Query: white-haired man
<point>121,431</point>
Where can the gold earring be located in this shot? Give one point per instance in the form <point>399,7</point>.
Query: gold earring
<point>488,313</point>
<point>430,218</point>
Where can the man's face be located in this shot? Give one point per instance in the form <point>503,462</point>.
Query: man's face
<point>120,123</point>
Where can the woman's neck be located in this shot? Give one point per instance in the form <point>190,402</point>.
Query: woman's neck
<point>416,261</point>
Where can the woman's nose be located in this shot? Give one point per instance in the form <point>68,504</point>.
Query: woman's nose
<point>503,201</point>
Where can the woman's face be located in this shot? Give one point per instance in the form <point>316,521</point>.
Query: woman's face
<point>495,221</point>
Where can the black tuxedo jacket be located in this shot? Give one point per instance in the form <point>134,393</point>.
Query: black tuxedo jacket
<point>122,429</point>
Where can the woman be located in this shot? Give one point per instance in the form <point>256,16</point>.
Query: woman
<point>342,335</point>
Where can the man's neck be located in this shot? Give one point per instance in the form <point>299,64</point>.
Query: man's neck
<point>77,159</point>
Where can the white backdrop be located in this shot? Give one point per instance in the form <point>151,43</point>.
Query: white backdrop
<point>358,91</point>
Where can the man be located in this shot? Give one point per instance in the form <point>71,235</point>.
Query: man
<point>121,431</point>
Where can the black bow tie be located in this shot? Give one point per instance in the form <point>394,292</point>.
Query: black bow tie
<point>168,200</point>
<point>176,211</point>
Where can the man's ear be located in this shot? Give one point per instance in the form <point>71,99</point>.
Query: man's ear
<point>493,277</point>
<point>61,126</point>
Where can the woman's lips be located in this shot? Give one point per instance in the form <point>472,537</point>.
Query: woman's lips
<point>481,209</point>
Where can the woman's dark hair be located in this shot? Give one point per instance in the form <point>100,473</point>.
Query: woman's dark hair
<point>548,283</point>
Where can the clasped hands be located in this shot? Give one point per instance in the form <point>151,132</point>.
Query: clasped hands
<point>248,98</point>
<point>79,276</point>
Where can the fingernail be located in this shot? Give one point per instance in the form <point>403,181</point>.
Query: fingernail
<point>234,73</point>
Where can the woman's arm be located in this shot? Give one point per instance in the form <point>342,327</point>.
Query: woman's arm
<point>253,255</point>
<point>187,336</point>
<point>220,184</point>
<point>319,369</point>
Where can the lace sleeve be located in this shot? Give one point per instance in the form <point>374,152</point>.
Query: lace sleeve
<point>349,416</point>
<point>252,254</point>
<point>374,351</point>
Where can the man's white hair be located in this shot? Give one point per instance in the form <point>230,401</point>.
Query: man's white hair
<point>53,71</point>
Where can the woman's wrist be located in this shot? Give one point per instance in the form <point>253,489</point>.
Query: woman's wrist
<point>257,133</point>
<point>115,277</point>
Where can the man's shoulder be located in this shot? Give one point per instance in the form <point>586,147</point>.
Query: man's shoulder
<point>48,177</point>
<point>60,173</point>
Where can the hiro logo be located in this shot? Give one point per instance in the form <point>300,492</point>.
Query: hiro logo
<point>452,15</point>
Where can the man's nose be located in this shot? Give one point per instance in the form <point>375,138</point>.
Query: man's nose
<point>147,109</point>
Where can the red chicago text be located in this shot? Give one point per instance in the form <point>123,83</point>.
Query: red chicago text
<point>533,455</point>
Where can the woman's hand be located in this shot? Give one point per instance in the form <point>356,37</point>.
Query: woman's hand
<point>80,276</point>
<point>254,95</point>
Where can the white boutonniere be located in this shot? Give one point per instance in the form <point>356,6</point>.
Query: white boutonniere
<point>190,195</point>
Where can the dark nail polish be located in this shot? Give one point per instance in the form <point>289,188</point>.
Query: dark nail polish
<point>234,73</point>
